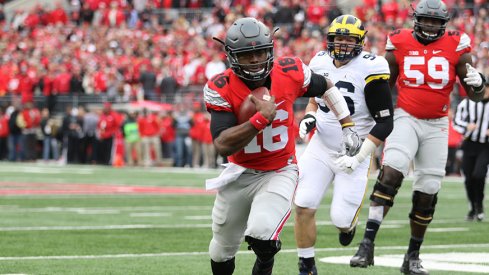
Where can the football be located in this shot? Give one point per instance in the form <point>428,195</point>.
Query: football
<point>248,108</point>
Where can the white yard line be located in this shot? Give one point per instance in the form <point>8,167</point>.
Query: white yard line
<point>15,209</point>
<point>170,254</point>
<point>388,225</point>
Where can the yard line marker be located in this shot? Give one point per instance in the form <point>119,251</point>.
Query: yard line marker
<point>195,253</point>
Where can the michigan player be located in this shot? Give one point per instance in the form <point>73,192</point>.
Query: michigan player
<point>425,62</point>
<point>362,79</point>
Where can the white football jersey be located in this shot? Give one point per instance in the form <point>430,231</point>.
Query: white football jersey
<point>350,79</point>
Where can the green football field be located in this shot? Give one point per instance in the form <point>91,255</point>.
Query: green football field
<point>104,220</point>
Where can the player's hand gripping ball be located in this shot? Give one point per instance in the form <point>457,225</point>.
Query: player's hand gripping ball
<point>248,108</point>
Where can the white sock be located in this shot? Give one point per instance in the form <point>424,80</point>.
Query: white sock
<point>305,252</point>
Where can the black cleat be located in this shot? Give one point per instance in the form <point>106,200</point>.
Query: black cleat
<point>365,254</point>
<point>346,238</point>
<point>412,264</point>
<point>470,216</point>
<point>304,270</point>
<point>480,216</point>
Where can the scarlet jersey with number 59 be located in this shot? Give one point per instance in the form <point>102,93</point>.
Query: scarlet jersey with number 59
<point>427,73</point>
<point>274,147</point>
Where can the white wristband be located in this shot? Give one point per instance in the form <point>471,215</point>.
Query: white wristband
<point>336,102</point>
<point>368,147</point>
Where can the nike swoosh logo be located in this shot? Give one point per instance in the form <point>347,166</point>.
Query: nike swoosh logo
<point>277,104</point>
<point>436,52</point>
<point>257,121</point>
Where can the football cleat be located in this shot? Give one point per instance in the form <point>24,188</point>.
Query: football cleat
<point>365,254</point>
<point>480,216</point>
<point>346,237</point>
<point>470,216</point>
<point>412,264</point>
<point>304,270</point>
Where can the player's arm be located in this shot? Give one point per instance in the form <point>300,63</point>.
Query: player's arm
<point>379,103</point>
<point>229,138</point>
<point>332,97</point>
<point>470,77</point>
<point>321,86</point>
<point>393,67</point>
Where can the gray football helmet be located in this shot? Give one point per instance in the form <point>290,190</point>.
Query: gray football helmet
<point>245,35</point>
<point>431,9</point>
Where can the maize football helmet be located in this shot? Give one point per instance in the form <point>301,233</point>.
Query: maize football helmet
<point>346,25</point>
<point>435,9</point>
<point>246,35</point>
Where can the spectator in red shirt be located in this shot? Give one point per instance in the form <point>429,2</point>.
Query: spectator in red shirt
<point>149,128</point>
<point>26,84</point>
<point>61,83</point>
<point>46,81</point>
<point>390,11</point>
<point>107,126</point>
<point>58,15</point>
<point>31,120</point>
<point>316,13</point>
<point>207,145</point>
<point>196,134</point>
<point>114,16</point>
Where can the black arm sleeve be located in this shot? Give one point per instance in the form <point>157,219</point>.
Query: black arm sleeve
<point>220,121</point>
<point>379,103</point>
<point>317,86</point>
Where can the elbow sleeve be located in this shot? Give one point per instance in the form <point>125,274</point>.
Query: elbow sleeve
<point>382,129</point>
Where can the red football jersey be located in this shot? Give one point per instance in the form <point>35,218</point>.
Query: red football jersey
<point>274,147</point>
<point>426,72</point>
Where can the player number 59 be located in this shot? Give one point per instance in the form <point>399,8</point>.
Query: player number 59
<point>437,69</point>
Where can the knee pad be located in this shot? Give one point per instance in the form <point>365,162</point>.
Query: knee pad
<point>423,208</point>
<point>264,250</point>
<point>429,184</point>
<point>386,187</point>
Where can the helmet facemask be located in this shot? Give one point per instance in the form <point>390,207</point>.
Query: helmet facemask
<point>343,51</point>
<point>429,32</point>
<point>346,26</point>
<point>258,61</point>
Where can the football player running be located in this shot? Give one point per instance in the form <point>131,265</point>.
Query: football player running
<point>362,79</point>
<point>425,62</point>
<point>255,190</point>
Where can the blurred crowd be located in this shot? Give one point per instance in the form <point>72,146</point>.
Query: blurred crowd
<point>127,50</point>
<point>178,137</point>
